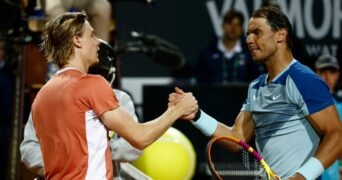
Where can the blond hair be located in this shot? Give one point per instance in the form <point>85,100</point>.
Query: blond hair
<point>57,43</point>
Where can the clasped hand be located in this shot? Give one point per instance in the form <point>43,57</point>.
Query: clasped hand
<point>186,100</point>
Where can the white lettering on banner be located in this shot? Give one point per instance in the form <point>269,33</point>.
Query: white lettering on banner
<point>241,6</point>
<point>216,16</point>
<point>318,49</point>
<point>317,33</point>
<point>293,12</point>
<point>301,16</point>
<point>337,19</point>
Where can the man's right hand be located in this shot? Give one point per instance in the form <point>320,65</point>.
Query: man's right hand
<point>176,98</point>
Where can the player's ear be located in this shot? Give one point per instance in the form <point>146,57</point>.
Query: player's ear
<point>76,40</point>
<point>282,33</point>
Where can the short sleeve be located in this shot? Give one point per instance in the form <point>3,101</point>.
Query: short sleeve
<point>309,92</point>
<point>97,95</point>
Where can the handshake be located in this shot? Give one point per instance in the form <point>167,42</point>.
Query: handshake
<point>184,104</point>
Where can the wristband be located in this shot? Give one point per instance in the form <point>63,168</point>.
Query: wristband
<point>312,169</point>
<point>206,124</point>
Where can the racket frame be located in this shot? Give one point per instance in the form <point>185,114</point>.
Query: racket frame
<point>270,174</point>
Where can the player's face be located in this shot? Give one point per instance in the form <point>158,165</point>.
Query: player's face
<point>261,40</point>
<point>90,44</point>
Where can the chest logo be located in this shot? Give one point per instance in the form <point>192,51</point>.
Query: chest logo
<point>255,98</point>
<point>274,97</point>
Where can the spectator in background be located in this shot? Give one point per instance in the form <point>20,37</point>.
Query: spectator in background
<point>227,59</point>
<point>98,11</point>
<point>328,69</point>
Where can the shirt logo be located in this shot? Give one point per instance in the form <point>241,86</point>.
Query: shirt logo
<point>274,97</point>
<point>255,98</point>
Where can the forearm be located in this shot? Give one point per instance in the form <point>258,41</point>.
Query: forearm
<point>330,148</point>
<point>327,153</point>
<point>142,135</point>
<point>243,127</point>
<point>152,130</point>
<point>223,130</point>
<point>327,125</point>
<point>139,135</point>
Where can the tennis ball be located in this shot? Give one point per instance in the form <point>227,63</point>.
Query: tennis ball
<point>172,156</point>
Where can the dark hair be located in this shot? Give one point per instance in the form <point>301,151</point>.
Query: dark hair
<point>276,19</point>
<point>57,36</point>
<point>231,14</point>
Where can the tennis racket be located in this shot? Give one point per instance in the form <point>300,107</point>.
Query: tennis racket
<point>231,158</point>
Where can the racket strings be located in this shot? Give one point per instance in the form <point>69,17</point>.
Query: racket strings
<point>235,162</point>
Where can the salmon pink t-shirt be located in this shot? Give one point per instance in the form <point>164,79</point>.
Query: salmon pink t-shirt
<point>73,139</point>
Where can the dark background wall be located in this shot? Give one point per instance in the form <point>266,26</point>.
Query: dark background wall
<point>9,15</point>
<point>192,24</point>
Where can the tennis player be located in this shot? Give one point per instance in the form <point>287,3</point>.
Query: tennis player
<point>81,107</point>
<point>289,110</point>
<point>121,150</point>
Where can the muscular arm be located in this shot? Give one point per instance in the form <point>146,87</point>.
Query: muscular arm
<point>243,127</point>
<point>327,125</point>
<point>141,135</point>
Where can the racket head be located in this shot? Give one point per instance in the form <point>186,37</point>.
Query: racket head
<point>231,158</point>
